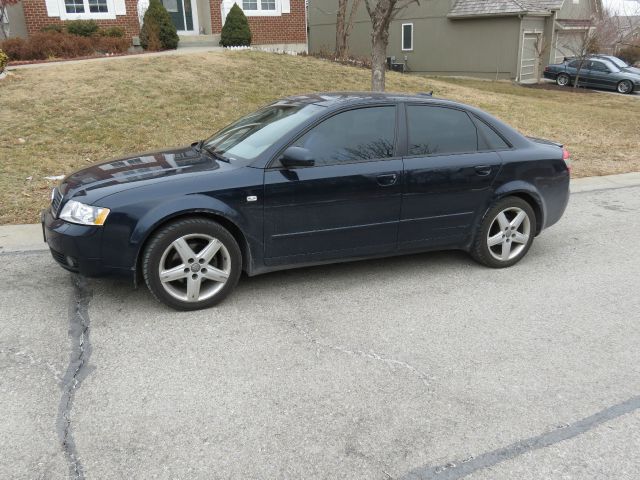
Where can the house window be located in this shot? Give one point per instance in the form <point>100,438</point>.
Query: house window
<point>407,36</point>
<point>74,6</point>
<point>98,6</point>
<point>249,4</point>
<point>260,7</point>
<point>268,4</point>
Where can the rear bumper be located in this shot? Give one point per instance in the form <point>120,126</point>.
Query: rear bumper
<point>75,247</point>
<point>550,75</point>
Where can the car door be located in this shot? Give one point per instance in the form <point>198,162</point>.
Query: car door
<point>348,202</point>
<point>450,166</point>
<point>600,75</point>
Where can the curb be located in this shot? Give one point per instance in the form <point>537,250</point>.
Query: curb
<point>26,238</point>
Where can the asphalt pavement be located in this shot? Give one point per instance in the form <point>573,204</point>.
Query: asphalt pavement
<point>418,367</point>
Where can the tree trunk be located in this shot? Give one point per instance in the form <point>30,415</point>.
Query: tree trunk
<point>341,38</point>
<point>379,41</point>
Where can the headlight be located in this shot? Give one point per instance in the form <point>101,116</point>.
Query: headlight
<point>76,212</point>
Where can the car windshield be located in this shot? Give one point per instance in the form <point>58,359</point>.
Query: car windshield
<point>248,137</point>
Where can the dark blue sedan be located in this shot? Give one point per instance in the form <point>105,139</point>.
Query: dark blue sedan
<point>309,180</point>
<point>596,72</point>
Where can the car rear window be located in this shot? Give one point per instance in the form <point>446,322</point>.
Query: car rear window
<point>440,130</point>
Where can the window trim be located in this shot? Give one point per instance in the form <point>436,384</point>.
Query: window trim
<point>273,163</point>
<point>259,12</point>
<point>110,14</point>
<point>402,46</point>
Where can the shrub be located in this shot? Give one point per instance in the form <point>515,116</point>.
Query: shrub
<point>114,32</point>
<point>13,48</point>
<point>157,24</point>
<point>236,31</point>
<point>112,44</point>
<point>82,28</point>
<point>54,27</point>
<point>4,59</point>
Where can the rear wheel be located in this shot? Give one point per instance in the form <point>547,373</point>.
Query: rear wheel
<point>505,234</point>
<point>563,80</point>
<point>192,264</point>
<point>625,86</point>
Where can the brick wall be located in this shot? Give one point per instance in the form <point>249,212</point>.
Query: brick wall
<point>287,28</point>
<point>35,15</point>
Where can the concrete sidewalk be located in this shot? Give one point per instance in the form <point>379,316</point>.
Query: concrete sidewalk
<point>17,238</point>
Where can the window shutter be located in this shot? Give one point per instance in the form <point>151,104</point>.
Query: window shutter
<point>121,7</point>
<point>286,6</point>
<point>53,10</point>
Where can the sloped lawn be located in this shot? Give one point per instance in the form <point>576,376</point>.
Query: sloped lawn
<point>56,119</point>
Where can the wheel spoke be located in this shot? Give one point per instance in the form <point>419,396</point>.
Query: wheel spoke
<point>520,238</point>
<point>502,220</point>
<point>184,250</point>
<point>496,239</point>
<point>208,252</point>
<point>216,275</point>
<point>172,274</point>
<point>506,250</point>
<point>193,288</point>
<point>517,221</point>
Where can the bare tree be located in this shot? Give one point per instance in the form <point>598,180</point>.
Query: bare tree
<point>541,48</point>
<point>586,44</point>
<point>4,33</point>
<point>382,12</point>
<point>344,25</point>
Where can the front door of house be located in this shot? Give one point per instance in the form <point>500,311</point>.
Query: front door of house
<point>181,13</point>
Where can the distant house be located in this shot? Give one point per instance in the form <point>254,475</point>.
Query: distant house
<point>278,23</point>
<point>483,38</point>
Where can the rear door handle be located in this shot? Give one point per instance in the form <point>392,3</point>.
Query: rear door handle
<point>483,170</point>
<point>387,180</point>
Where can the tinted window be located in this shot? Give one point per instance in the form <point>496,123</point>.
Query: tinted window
<point>598,67</point>
<point>488,139</point>
<point>439,130</point>
<point>576,64</point>
<point>353,136</point>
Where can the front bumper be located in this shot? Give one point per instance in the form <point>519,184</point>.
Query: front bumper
<point>75,247</point>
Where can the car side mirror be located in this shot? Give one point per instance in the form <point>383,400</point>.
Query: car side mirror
<point>297,157</point>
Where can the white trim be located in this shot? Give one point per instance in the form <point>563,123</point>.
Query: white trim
<point>402,38</point>
<point>87,15</point>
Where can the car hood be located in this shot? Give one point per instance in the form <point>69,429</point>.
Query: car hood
<point>131,171</point>
<point>634,70</point>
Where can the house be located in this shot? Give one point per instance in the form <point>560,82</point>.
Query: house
<point>483,38</point>
<point>278,24</point>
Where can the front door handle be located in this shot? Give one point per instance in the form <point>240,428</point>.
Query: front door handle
<point>483,170</point>
<point>387,180</point>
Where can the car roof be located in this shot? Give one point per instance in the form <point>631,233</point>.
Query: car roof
<point>337,99</point>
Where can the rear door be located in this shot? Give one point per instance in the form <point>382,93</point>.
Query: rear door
<point>600,75</point>
<point>450,166</point>
<point>348,203</point>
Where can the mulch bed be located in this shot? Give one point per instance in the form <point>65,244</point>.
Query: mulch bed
<point>553,86</point>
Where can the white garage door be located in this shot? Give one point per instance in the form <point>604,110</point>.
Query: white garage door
<point>567,45</point>
<point>529,61</point>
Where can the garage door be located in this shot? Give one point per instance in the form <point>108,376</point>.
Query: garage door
<point>567,44</point>
<point>529,61</point>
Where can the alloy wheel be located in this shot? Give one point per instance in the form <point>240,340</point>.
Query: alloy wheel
<point>194,267</point>
<point>508,234</point>
<point>624,86</point>
<point>562,80</point>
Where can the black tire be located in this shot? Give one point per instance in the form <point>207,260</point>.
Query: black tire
<point>624,87</point>
<point>563,80</point>
<point>486,255</point>
<point>160,249</point>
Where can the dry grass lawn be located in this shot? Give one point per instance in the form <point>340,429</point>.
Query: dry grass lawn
<point>54,120</point>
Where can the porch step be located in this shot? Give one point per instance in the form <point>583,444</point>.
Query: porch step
<point>199,41</point>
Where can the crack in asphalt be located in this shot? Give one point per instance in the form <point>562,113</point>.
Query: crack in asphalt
<point>76,372</point>
<point>390,362</point>
<point>459,469</point>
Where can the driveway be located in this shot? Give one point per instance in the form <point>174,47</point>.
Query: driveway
<point>425,366</point>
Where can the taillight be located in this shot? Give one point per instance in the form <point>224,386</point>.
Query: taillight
<point>566,156</point>
<point>546,69</point>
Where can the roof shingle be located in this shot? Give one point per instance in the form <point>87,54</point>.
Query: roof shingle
<point>472,8</point>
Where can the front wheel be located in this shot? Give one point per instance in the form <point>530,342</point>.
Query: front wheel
<point>192,264</point>
<point>624,86</point>
<point>505,233</point>
<point>563,80</point>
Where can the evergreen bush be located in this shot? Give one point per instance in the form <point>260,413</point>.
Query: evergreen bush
<point>236,31</point>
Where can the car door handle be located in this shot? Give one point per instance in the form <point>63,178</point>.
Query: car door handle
<point>387,180</point>
<point>483,170</point>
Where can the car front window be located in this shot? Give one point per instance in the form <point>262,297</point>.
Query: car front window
<point>248,137</point>
<point>618,62</point>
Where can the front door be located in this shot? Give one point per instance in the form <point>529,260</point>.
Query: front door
<point>348,203</point>
<point>449,170</point>
<point>181,13</point>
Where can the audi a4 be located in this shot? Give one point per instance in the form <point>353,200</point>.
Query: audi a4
<point>308,180</point>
